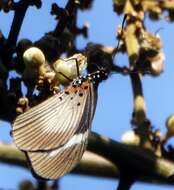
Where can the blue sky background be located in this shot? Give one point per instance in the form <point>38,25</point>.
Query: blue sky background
<point>112,117</point>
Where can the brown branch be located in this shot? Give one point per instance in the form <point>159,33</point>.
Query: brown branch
<point>20,9</point>
<point>142,125</point>
<point>91,164</point>
<point>42,185</point>
<point>143,162</point>
<point>139,110</point>
<point>125,182</point>
<point>136,84</point>
<point>70,9</point>
<point>133,158</point>
<point>59,41</point>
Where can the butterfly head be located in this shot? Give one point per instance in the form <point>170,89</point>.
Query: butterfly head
<point>98,59</point>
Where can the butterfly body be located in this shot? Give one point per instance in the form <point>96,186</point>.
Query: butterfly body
<point>54,133</point>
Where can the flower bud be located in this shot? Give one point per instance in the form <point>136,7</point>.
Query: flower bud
<point>33,57</point>
<point>130,137</point>
<point>170,126</point>
<point>157,64</point>
<point>19,110</point>
<point>22,105</point>
<point>66,69</point>
<point>23,101</point>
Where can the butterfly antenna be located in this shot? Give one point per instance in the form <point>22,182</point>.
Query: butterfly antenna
<point>77,66</point>
<point>118,44</point>
<point>65,76</point>
<point>98,67</point>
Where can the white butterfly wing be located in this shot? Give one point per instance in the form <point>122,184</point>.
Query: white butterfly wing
<point>53,122</point>
<point>54,163</point>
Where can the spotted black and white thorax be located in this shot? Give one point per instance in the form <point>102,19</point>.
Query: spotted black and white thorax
<point>95,78</point>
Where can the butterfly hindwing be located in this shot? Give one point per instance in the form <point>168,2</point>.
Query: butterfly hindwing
<point>55,163</point>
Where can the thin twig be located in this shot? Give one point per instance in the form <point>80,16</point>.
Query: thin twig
<point>41,185</point>
<point>70,9</point>
<point>20,9</point>
<point>125,183</point>
<point>136,84</point>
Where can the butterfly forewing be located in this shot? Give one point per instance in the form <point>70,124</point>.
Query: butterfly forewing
<point>57,162</point>
<point>54,163</point>
<point>54,134</point>
<point>53,122</point>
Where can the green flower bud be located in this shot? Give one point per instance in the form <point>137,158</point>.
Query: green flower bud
<point>170,126</point>
<point>66,69</point>
<point>33,57</point>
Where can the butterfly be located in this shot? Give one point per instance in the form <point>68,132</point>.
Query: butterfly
<point>54,134</point>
